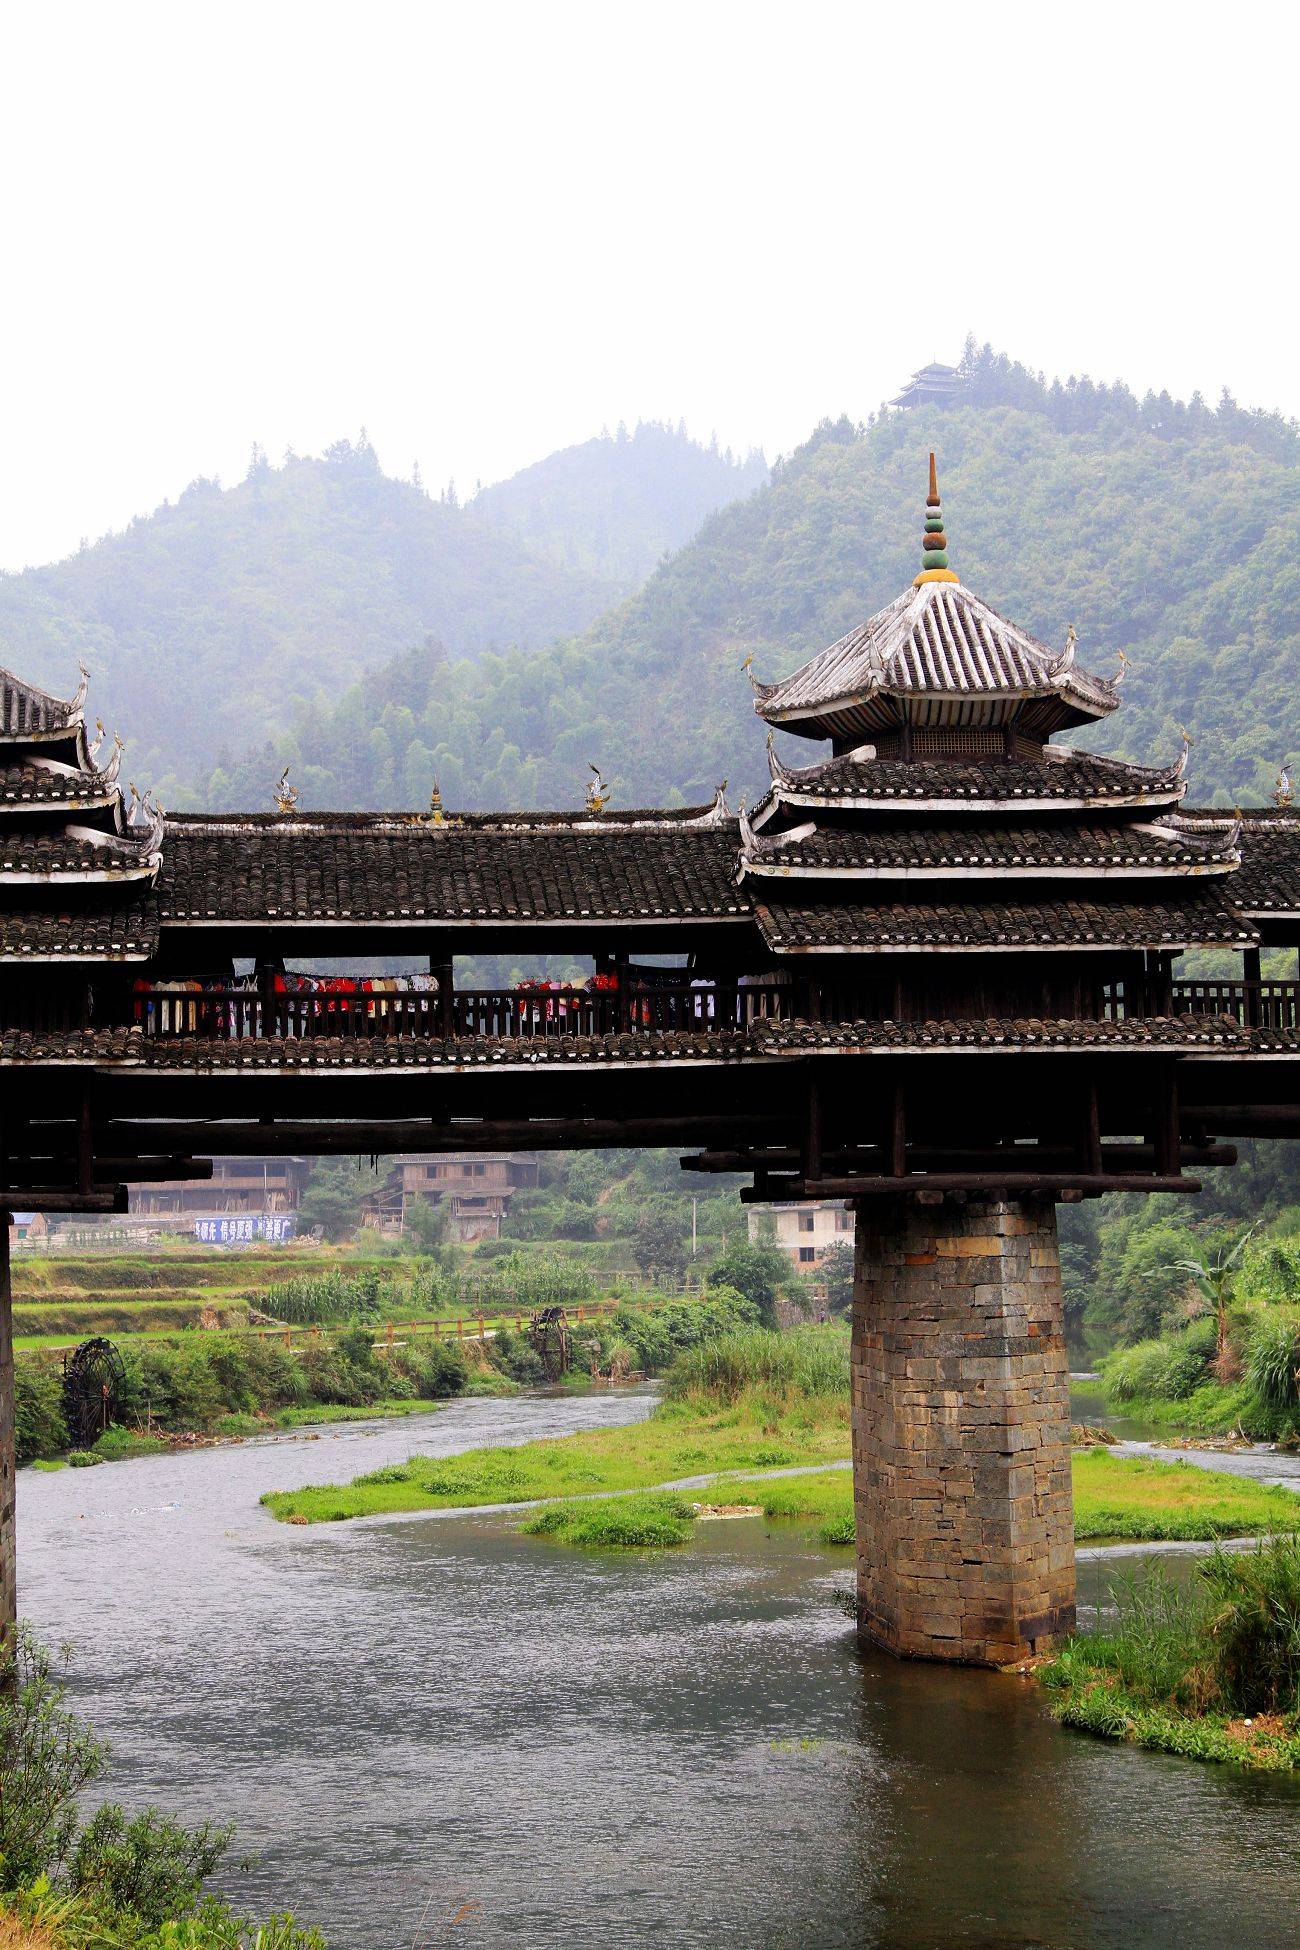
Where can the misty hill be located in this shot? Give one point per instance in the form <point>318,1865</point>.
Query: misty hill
<point>203,623</point>
<point>615,505</point>
<point>1171,532</point>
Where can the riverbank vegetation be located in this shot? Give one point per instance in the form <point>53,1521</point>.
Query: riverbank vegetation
<point>228,1384</point>
<point>779,1401</point>
<point>108,1880</point>
<point>1212,1671</point>
<point>753,1400</point>
<point>1138,1499</point>
<point>1116,1499</point>
<point>1181,1379</point>
<point>217,1383</point>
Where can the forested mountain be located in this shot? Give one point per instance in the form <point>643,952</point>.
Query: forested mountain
<point>1170,532</point>
<point>204,622</point>
<point>615,505</point>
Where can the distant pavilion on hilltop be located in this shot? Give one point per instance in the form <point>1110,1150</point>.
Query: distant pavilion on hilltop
<point>933,385</point>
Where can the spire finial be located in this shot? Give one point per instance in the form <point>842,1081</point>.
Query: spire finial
<point>934,543</point>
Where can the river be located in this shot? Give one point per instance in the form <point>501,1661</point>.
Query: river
<point>435,1731</point>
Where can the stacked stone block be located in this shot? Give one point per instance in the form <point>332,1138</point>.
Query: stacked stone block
<point>961,1437</point>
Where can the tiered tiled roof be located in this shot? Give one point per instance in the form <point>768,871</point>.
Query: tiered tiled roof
<point>67,847</point>
<point>205,1055</point>
<point>77,854</point>
<point>29,715</point>
<point>93,929</point>
<point>771,1040</point>
<point>1057,779</point>
<point>958,787</point>
<point>1171,922</point>
<point>936,655</point>
<point>1219,1033</point>
<point>1050,850</point>
<point>1267,883</point>
<point>329,867</point>
<point>48,785</point>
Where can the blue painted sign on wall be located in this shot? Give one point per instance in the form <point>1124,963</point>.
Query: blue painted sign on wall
<point>247,1228</point>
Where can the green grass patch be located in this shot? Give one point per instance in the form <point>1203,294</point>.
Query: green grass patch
<point>675,1442</point>
<point>1210,1670</point>
<point>79,1319</point>
<point>1137,1498</point>
<point>824,1501</point>
<point>618,1523</point>
<point>116,1445</point>
<point>300,1418</point>
<point>48,1462</point>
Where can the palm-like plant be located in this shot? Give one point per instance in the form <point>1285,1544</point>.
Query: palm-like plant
<point>1213,1278</point>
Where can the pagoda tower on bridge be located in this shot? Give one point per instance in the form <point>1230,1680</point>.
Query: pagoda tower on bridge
<point>970,869</point>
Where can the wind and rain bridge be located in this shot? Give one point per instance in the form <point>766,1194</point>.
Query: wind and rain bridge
<point>935,972</point>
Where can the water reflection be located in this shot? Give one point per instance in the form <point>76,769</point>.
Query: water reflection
<point>440,1731</point>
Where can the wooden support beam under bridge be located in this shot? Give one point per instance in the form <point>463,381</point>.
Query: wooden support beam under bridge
<point>929,1158</point>
<point>107,1173</point>
<point>1021,1184</point>
<point>370,1137</point>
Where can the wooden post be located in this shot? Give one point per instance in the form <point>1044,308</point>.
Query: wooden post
<point>1165,1135</point>
<point>8,1455</point>
<point>623,1012</point>
<point>1091,1160</point>
<point>1251,970</point>
<point>812,1147</point>
<point>85,1142</point>
<point>444,972</point>
<point>266,998</point>
<point>898,1132</point>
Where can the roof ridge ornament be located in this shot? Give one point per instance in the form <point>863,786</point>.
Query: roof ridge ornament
<point>1064,663</point>
<point>109,774</point>
<point>718,813</point>
<point>598,794</point>
<point>437,814</point>
<point>76,703</point>
<point>934,542</point>
<point>1180,764</point>
<point>1283,791</point>
<point>776,769</point>
<point>152,841</point>
<point>1121,673</point>
<point>285,795</point>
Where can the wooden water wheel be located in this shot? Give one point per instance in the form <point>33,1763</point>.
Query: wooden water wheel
<point>93,1377</point>
<point>549,1332</point>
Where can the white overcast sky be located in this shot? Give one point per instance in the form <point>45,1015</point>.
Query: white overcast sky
<point>483,231</point>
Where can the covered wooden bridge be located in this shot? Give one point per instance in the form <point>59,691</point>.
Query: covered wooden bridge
<point>938,971</point>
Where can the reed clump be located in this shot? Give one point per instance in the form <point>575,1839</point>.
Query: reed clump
<point>1211,1670</point>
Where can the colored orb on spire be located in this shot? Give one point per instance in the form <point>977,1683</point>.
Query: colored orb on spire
<point>934,542</point>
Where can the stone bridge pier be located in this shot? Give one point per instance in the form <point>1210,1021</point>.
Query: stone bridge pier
<point>961,1439</point>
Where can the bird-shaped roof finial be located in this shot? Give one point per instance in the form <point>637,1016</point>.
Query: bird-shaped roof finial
<point>934,542</point>
<point>285,795</point>
<point>598,794</point>
<point>1283,792</point>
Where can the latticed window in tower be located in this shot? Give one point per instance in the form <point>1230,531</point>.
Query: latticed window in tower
<point>958,741</point>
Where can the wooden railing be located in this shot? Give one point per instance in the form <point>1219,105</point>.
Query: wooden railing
<point>168,1010</point>
<point>464,1014</point>
<point>1262,1005</point>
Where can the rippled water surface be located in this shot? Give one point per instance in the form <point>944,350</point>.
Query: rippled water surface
<point>437,1731</point>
